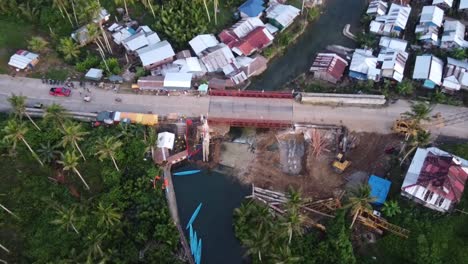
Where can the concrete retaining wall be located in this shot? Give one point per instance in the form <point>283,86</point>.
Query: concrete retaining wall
<point>342,99</point>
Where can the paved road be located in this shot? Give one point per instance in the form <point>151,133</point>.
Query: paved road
<point>355,118</point>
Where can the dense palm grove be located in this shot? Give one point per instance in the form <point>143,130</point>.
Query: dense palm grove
<point>74,194</point>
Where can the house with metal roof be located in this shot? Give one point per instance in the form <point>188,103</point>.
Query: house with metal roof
<point>429,23</point>
<point>392,43</point>
<point>239,30</point>
<point>392,63</point>
<point>428,68</point>
<point>445,4</point>
<point>148,83</point>
<point>328,67</point>
<point>23,59</point>
<point>455,75</point>
<point>454,35</point>
<point>252,8</point>
<point>393,23</point>
<point>256,40</point>
<point>156,54</point>
<point>379,189</point>
<point>178,81</point>
<point>217,57</point>
<point>202,42</point>
<point>377,8</point>
<point>94,74</point>
<point>122,34</point>
<point>252,66</point>
<point>364,66</point>
<point>436,179</point>
<point>281,16</point>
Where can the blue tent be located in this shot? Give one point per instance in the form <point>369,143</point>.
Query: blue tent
<point>379,188</point>
<point>252,8</point>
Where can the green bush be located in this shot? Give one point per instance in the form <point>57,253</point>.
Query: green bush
<point>91,61</point>
<point>113,64</point>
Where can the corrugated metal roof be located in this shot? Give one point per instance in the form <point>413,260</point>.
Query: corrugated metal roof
<point>432,14</point>
<point>255,40</point>
<point>22,58</point>
<point>155,53</point>
<point>454,31</point>
<point>217,57</point>
<point>202,42</point>
<point>363,61</point>
<point>446,2</point>
<point>393,43</point>
<point>428,67</point>
<point>178,80</point>
<point>283,14</point>
<point>245,26</point>
<point>252,8</point>
<point>95,74</point>
<point>135,42</point>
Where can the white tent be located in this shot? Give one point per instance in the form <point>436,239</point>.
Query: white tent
<point>166,140</point>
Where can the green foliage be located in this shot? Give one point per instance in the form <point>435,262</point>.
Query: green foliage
<point>419,111</point>
<point>179,21</point>
<point>113,64</point>
<point>459,54</point>
<point>284,39</point>
<point>313,13</point>
<point>37,44</point>
<point>391,208</point>
<point>405,87</point>
<point>140,72</point>
<point>69,49</point>
<point>91,61</point>
<point>366,40</point>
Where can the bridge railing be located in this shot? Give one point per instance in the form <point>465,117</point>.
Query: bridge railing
<point>254,94</point>
<point>250,122</point>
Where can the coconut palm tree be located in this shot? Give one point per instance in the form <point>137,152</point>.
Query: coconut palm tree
<point>72,134</point>
<point>18,103</point>
<point>419,111</point>
<point>293,223</point>
<point>391,208</point>
<point>283,255</point>
<point>107,215</point>
<point>66,218</point>
<point>94,36</point>
<point>70,162</point>
<point>48,153</point>
<point>421,139</point>
<point>257,243</point>
<point>37,44</point>
<point>55,113</point>
<point>69,49</point>
<point>107,148</point>
<point>360,200</point>
<point>150,139</point>
<point>94,244</point>
<point>61,5</point>
<point>14,132</point>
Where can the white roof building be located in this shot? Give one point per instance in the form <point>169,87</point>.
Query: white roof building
<point>156,53</point>
<point>393,63</point>
<point>94,74</point>
<point>443,3</point>
<point>454,35</point>
<point>429,23</point>
<point>428,68</point>
<point>364,65</point>
<point>166,140</point>
<point>245,26</point>
<point>392,23</point>
<point>122,34</point>
<point>393,43</point>
<point>463,5</point>
<point>178,81</point>
<point>377,8</point>
<point>143,37</point>
<point>202,42</point>
<point>282,16</point>
<point>217,57</point>
<point>456,75</point>
<point>23,59</point>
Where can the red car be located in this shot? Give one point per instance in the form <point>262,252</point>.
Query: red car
<point>60,91</point>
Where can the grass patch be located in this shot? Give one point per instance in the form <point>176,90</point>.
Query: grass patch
<point>13,36</point>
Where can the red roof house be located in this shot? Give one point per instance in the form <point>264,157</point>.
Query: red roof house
<point>228,37</point>
<point>256,40</point>
<point>435,179</point>
<point>328,67</point>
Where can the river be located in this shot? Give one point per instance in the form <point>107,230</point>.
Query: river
<point>219,193</point>
<point>327,30</point>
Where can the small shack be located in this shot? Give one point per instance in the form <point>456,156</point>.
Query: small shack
<point>23,59</point>
<point>379,189</point>
<point>94,74</point>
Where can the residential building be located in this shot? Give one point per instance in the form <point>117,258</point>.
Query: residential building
<point>220,84</point>
<point>428,68</point>
<point>217,57</point>
<point>364,66</point>
<point>151,83</point>
<point>252,66</point>
<point>190,65</point>
<point>252,8</point>
<point>178,81</point>
<point>81,35</point>
<point>122,33</point>
<point>392,43</point>
<point>436,179</point>
<point>393,23</point>
<point>377,8</point>
<point>281,16</point>
<point>94,74</point>
<point>454,35</point>
<point>445,4</point>
<point>23,59</point>
<point>202,42</point>
<point>102,17</point>
<point>455,75</point>
<point>428,28</point>
<point>392,63</point>
<point>328,67</point>
<point>256,40</point>
<point>463,5</point>
<point>139,40</point>
<point>156,54</point>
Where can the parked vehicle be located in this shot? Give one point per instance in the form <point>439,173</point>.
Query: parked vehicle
<point>60,91</point>
<point>38,105</point>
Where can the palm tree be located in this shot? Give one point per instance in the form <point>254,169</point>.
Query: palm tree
<point>360,200</point>
<point>18,103</point>
<point>37,44</point>
<point>48,152</point>
<point>94,36</point>
<point>70,162</point>
<point>8,211</point>
<point>66,218</point>
<point>72,134</point>
<point>150,139</point>
<point>391,208</point>
<point>257,243</point>
<point>421,139</point>
<point>405,87</point>
<point>107,148</point>
<point>283,255</point>
<point>69,49</point>
<point>419,111</point>
<point>293,224</point>
<point>15,132</point>
<point>61,5</point>
<point>94,242</point>
<point>107,216</point>
<point>55,113</point>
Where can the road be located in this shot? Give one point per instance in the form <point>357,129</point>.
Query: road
<point>355,118</point>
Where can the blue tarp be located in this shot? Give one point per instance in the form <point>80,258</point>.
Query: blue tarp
<point>252,8</point>
<point>379,188</point>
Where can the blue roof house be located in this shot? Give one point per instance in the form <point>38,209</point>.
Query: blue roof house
<point>252,8</point>
<point>379,189</point>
